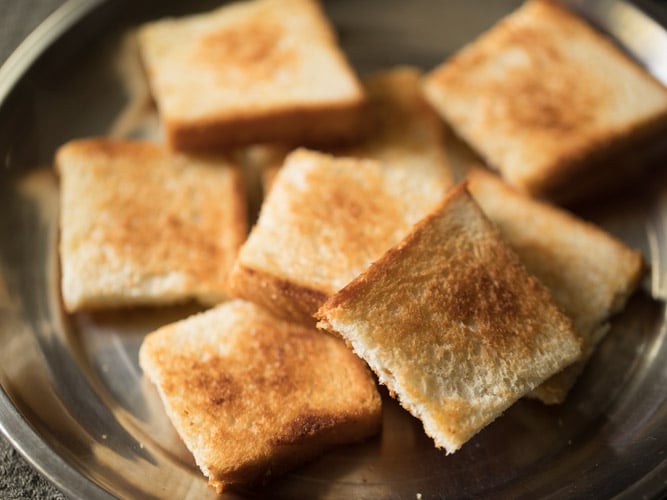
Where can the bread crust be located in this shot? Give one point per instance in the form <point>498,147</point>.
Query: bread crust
<point>284,298</point>
<point>321,125</point>
<point>604,166</point>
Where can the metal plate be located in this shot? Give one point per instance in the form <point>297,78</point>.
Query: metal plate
<point>73,399</point>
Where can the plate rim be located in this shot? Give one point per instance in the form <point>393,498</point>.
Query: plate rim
<point>13,425</point>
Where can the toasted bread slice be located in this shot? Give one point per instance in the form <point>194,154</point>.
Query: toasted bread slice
<point>251,395</point>
<point>452,324</point>
<point>263,70</point>
<point>589,273</point>
<point>406,135</point>
<point>141,225</point>
<point>324,221</point>
<point>543,97</point>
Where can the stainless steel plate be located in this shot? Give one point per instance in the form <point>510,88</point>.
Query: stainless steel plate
<point>73,399</point>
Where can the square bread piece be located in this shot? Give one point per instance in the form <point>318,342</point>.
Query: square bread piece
<point>262,70</point>
<point>452,324</point>
<point>141,225</point>
<point>543,97</point>
<point>252,396</point>
<point>265,160</point>
<point>589,273</point>
<point>323,222</point>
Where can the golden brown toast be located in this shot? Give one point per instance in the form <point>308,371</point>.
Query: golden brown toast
<point>589,273</point>
<point>142,225</point>
<point>546,99</point>
<point>247,72</point>
<point>324,221</point>
<point>251,395</point>
<point>405,134</point>
<point>331,217</point>
<point>452,323</point>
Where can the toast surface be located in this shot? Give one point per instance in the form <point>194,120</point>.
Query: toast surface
<point>251,395</point>
<point>405,135</point>
<point>140,225</point>
<point>542,96</point>
<point>589,273</point>
<point>324,221</point>
<point>452,323</point>
<point>264,70</point>
<point>331,217</point>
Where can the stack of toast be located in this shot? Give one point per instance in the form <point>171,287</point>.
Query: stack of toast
<point>367,260</point>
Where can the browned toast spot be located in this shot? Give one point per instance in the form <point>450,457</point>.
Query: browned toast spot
<point>251,50</point>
